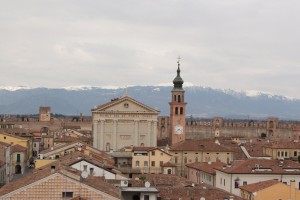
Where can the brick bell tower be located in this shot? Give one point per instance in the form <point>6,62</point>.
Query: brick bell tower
<point>177,110</point>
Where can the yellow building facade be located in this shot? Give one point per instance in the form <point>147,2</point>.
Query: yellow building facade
<point>271,189</point>
<point>7,138</point>
<point>149,159</point>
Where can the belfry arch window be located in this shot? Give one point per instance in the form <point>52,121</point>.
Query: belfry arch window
<point>174,97</point>
<point>176,111</point>
<point>181,110</point>
<point>179,98</point>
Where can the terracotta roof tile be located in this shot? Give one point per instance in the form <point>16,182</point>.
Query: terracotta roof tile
<point>18,148</point>
<point>261,166</point>
<point>168,164</point>
<point>95,182</point>
<point>37,134</point>
<point>79,198</point>
<point>199,145</point>
<point>283,145</point>
<point>163,179</point>
<point>4,144</point>
<point>27,179</point>
<point>254,187</point>
<point>196,192</point>
<point>205,166</point>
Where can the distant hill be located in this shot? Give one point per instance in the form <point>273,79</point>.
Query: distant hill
<point>202,102</point>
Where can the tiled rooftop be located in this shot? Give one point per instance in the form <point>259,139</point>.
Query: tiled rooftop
<point>199,145</point>
<point>254,187</point>
<point>168,164</point>
<point>261,166</point>
<point>95,182</point>
<point>18,148</point>
<point>283,145</point>
<point>205,166</point>
<point>195,192</point>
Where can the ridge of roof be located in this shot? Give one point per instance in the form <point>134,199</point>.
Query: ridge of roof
<point>254,187</point>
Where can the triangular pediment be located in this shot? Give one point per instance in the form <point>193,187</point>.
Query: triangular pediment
<point>125,104</point>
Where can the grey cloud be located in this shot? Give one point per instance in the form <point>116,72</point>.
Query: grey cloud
<point>248,44</point>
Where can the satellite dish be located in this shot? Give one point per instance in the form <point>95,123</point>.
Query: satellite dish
<point>84,174</point>
<point>147,184</point>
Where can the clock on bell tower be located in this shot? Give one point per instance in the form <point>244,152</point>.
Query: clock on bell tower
<point>177,110</point>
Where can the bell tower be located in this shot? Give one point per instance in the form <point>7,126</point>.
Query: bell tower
<point>177,110</point>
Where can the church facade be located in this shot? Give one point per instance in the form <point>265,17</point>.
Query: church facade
<point>124,122</point>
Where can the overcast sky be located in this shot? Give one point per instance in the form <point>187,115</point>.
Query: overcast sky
<point>236,44</point>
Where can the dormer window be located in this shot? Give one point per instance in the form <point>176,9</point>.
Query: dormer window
<point>126,105</point>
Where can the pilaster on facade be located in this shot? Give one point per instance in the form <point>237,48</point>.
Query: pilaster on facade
<point>125,122</point>
<point>154,134</point>
<point>114,136</point>
<point>95,136</point>
<point>136,132</point>
<point>101,141</point>
<point>149,131</point>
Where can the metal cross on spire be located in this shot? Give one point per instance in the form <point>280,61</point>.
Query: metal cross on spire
<point>178,60</point>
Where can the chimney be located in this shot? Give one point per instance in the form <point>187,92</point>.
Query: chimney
<point>52,168</point>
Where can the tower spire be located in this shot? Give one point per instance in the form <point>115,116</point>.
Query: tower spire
<point>178,80</point>
<point>178,69</point>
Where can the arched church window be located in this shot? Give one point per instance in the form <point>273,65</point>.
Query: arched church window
<point>174,97</point>
<point>176,111</point>
<point>179,99</point>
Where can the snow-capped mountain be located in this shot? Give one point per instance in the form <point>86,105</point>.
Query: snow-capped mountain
<point>202,101</point>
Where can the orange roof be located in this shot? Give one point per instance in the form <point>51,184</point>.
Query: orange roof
<point>37,134</point>
<point>254,187</point>
<point>168,164</point>
<point>95,182</point>
<point>205,166</point>
<point>261,166</point>
<point>283,145</point>
<point>199,145</point>
<point>18,148</point>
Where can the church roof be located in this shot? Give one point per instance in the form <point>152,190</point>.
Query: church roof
<point>110,106</point>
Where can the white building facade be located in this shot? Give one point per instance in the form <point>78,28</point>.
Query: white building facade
<point>124,122</point>
<point>229,178</point>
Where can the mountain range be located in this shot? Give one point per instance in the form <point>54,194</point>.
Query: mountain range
<point>202,102</point>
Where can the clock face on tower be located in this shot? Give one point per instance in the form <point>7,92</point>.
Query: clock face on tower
<point>178,129</point>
